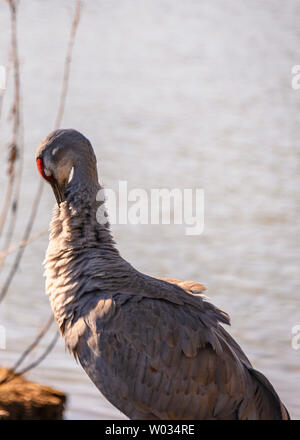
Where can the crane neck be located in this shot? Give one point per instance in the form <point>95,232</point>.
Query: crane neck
<point>75,223</point>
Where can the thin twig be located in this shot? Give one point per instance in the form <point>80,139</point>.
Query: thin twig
<point>20,253</point>
<point>15,202</point>
<point>12,373</point>
<point>61,107</point>
<point>34,343</point>
<point>13,147</point>
<point>22,243</point>
<point>67,66</point>
<point>45,353</point>
<point>28,229</point>
<point>7,72</point>
<point>6,203</point>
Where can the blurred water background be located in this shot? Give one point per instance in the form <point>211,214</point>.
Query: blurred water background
<point>193,94</point>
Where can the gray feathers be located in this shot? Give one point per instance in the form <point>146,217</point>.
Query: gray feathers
<point>155,348</point>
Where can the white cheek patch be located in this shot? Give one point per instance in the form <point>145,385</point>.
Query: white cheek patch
<point>54,151</point>
<point>47,172</point>
<point>71,174</point>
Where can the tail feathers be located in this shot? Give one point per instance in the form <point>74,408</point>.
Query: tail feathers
<point>268,403</point>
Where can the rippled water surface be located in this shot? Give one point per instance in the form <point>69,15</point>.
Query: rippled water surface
<point>177,95</point>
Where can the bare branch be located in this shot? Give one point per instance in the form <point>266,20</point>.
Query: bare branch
<point>13,371</point>
<point>68,60</point>
<point>34,343</point>
<point>27,233</point>
<point>26,239</point>
<point>22,243</point>
<point>15,111</point>
<point>37,199</point>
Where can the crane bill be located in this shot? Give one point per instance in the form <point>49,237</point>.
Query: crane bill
<point>57,192</point>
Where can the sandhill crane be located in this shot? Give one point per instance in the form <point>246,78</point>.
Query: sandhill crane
<point>154,347</point>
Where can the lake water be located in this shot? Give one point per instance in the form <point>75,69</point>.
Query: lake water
<point>172,95</point>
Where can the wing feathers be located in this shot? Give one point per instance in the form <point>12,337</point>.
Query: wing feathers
<point>169,361</point>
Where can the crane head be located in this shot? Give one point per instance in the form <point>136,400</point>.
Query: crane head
<point>58,154</point>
